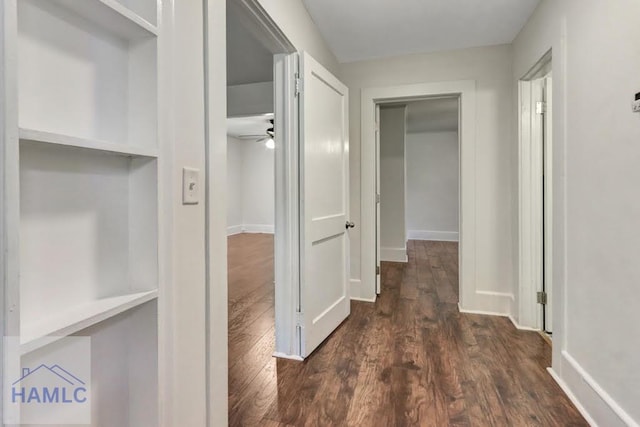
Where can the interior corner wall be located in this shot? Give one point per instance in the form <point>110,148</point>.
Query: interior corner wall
<point>258,188</point>
<point>234,185</point>
<point>393,239</point>
<point>596,234</point>
<point>433,177</point>
<point>490,67</point>
<point>250,187</point>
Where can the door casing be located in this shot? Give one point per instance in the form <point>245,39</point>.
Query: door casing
<point>531,253</point>
<point>471,299</point>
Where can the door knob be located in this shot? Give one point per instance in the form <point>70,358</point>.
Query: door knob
<point>350,224</point>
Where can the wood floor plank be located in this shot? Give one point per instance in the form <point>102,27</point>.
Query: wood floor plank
<point>410,359</point>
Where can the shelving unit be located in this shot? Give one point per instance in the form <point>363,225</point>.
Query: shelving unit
<point>82,162</point>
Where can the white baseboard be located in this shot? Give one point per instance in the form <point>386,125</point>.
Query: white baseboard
<point>258,228</point>
<point>481,312</point>
<point>356,290</point>
<point>520,327</point>
<point>490,303</point>
<point>394,254</point>
<point>572,397</point>
<point>234,229</point>
<point>250,228</point>
<point>287,356</point>
<point>438,236</point>
<point>596,405</point>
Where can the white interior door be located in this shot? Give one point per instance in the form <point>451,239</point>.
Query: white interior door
<point>324,204</point>
<point>378,267</point>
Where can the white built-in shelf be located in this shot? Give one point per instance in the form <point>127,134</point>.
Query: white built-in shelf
<point>72,141</point>
<point>41,332</point>
<point>111,15</point>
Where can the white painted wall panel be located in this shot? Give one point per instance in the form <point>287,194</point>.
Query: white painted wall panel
<point>258,190</point>
<point>596,152</point>
<point>234,184</point>
<point>250,99</point>
<point>432,185</point>
<point>393,239</point>
<point>251,187</point>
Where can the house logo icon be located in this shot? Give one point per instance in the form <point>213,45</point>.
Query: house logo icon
<point>48,385</point>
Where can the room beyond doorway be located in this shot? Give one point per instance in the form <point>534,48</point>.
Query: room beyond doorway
<point>419,174</point>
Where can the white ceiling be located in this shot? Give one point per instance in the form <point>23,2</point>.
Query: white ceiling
<point>366,29</point>
<point>432,115</point>
<point>253,127</point>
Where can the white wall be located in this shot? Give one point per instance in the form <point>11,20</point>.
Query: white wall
<point>295,22</point>
<point>187,319</point>
<point>250,99</point>
<point>258,187</point>
<point>251,187</point>
<point>393,239</point>
<point>490,67</point>
<point>596,65</point>
<point>432,185</point>
<point>234,184</point>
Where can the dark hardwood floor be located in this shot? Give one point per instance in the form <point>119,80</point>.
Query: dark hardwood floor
<point>410,359</point>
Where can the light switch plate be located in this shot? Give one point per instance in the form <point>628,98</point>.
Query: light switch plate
<point>190,186</point>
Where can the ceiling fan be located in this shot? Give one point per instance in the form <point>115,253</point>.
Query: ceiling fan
<point>266,138</point>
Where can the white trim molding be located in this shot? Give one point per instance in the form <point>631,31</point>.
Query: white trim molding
<point>394,254</point>
<point>356,286</point>
<point>251,229</point>
<point>258,228</point>
<point>595,404</point>
<point>234,229</point>
<point>435,236</point>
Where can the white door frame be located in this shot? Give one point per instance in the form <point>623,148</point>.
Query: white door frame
<point>287,208</point>
<point>470,298</point>
<point>530,215</point>
<point>275,40</point>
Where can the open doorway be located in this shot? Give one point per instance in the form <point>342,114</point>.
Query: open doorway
<point>464,92</point>
<point>419,179</point>
<point>288,292</point>
<point>256,139</point>
<point>536,197</point>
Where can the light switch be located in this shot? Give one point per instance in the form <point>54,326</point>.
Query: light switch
<point>190,186</point>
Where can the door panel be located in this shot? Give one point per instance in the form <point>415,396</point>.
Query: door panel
<point>324,204</point>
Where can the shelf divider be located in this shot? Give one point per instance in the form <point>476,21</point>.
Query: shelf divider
<point>91,144</point>
<point>39,334</point>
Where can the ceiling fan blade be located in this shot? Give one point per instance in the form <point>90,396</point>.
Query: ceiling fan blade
<point>250,136</point>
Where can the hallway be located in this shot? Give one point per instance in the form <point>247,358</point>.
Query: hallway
<point>409,359</point>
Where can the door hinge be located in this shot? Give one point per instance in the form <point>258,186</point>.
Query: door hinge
<point>542,298</point>
<point>298,85</point>
<point>299,319</point>
<point>541,107</point>
<point>377,198</point>
<point>377,270</point>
